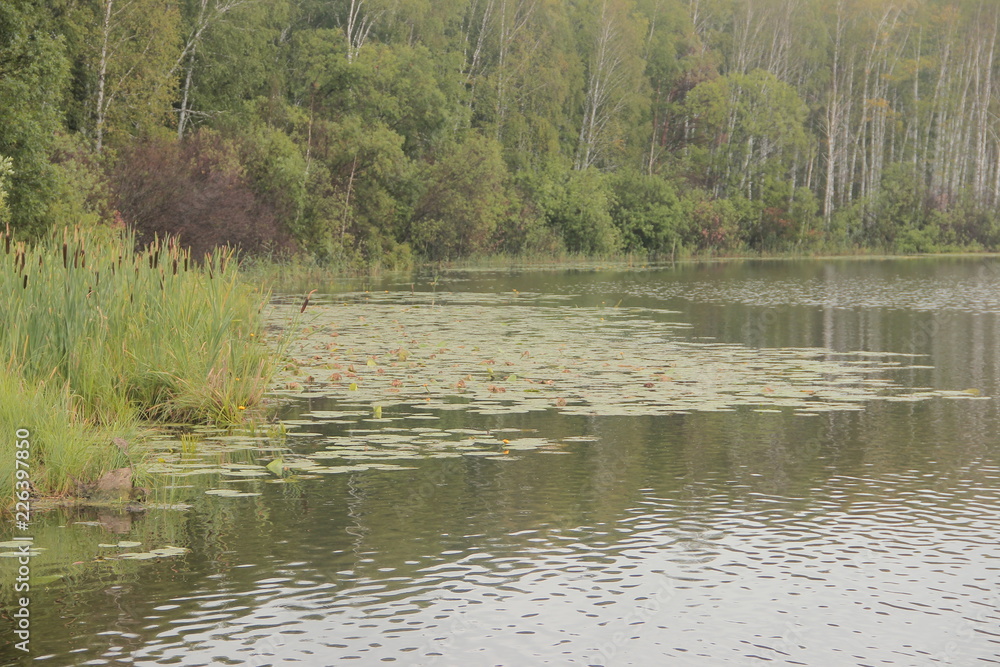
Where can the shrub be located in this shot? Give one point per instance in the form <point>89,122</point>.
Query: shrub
<point>646,211</point>
<point>195,190</point>
<point>575,204</point>
<point>464,201</point>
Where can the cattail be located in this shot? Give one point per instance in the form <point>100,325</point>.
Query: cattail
<point>6,243</point>
<point>175,266</point>
<point>76,257</point>
<point>65,263</point>
<point>97,276</point>
<point>185,263</point>
<point>83,258</point>
<point>305,303</point>
<point>25,285</point>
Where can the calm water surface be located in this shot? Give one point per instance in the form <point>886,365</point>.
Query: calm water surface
<point>720,538</point>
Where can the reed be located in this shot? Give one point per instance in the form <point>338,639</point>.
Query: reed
<point>105,336</point>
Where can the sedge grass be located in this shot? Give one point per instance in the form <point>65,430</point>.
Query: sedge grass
<point>106,335</point>
<point>65,449</point>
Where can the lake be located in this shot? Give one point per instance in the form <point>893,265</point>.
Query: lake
<point>716,463</point>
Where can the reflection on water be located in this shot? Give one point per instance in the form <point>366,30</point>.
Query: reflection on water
<point>700,539</point>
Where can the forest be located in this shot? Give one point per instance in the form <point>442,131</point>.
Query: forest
<point>374,133</point>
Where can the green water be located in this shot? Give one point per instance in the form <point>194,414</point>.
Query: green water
<point>632,527</point>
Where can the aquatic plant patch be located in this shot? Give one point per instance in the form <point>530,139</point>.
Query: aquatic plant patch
<point>393,364</point>
<point>99,336</point>
<point>497,354</point>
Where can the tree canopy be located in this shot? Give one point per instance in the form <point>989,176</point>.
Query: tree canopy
<point>363,131</point>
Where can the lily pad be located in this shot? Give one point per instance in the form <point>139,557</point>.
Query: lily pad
<point>230,493</point>
<point>162,552</point>
<point>276,467</point>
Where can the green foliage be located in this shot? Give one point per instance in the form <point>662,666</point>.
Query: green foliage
<point>357,190</point>
<point>234,55</point>
<point>713,223</point>
<point>782,218</point>
<point>718,125</point>
<point>96,336</point>
<point>65,447</point>
<point>148,333</point>
<point>79,183</point>
<point>132,56</point>
<point>6,171</point>
<point>754,124</point>
<point>33,77</point>
<point>575,204</point>
<point>464,201</point>
<point>404,87</point>
<point>274,163</point>
<point>646,211</point>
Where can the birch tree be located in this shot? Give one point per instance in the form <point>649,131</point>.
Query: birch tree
<point>137,42</point>
<point>613,69</point>
<point>206,14</point>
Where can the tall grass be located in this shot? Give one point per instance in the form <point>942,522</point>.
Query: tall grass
<point>100,336</point>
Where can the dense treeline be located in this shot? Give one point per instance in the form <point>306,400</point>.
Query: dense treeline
<point>367,131</point>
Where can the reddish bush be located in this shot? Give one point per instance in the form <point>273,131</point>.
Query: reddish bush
<point>195,190</point>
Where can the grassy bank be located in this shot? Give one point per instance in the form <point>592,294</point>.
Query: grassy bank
<point>99,338</point>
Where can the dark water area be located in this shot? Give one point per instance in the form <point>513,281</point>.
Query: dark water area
<point>745,537</point>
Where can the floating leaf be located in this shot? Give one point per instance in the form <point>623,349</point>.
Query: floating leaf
<point>230,493</point>
<point>162,552</point>
<point>662,372</point>
<point>276,466</point>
